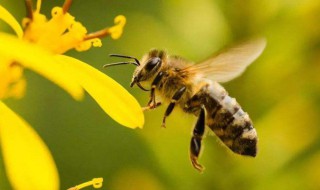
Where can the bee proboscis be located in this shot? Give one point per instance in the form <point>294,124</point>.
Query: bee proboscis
<point>195,89</point>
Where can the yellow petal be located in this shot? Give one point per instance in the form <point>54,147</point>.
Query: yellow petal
<point>7,17</point>
<point>41,61</point>
<point>111,96</point>
<point>27,160</point>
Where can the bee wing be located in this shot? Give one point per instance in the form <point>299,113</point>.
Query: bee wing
<point>230,63</point>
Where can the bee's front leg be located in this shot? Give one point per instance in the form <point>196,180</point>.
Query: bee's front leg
<point>152,104</point>
<point>174,99</point>
<point>195,144</point>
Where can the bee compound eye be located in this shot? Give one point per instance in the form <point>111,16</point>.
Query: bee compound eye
<point>152,63</point>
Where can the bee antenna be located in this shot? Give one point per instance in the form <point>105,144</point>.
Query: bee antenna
<point>119,63</point>
<point>137,63</point>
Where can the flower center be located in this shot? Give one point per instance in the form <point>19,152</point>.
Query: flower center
<point>62,33</point>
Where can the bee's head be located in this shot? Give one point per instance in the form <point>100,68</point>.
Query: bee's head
<point>146,69</point>
<point>149,67</point>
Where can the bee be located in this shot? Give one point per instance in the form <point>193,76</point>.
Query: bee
<point>196,90</point>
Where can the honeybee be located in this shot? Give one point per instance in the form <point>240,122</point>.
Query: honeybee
<point>195,89</point>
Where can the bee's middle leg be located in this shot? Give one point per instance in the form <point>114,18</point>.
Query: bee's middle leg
<point>195,144</point>
<point>174,99</point>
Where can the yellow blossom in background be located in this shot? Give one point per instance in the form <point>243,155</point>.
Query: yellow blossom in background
<point>38,46</point>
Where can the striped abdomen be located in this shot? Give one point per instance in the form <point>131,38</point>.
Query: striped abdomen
<point>229,122</point>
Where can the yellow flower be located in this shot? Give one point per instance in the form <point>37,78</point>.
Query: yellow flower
<point>38,46</point>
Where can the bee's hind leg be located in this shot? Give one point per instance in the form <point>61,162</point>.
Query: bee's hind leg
<point>195,145</point>
<point>174,99</point>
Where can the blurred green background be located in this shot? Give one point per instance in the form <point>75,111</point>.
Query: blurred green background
<point>280,91</point>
